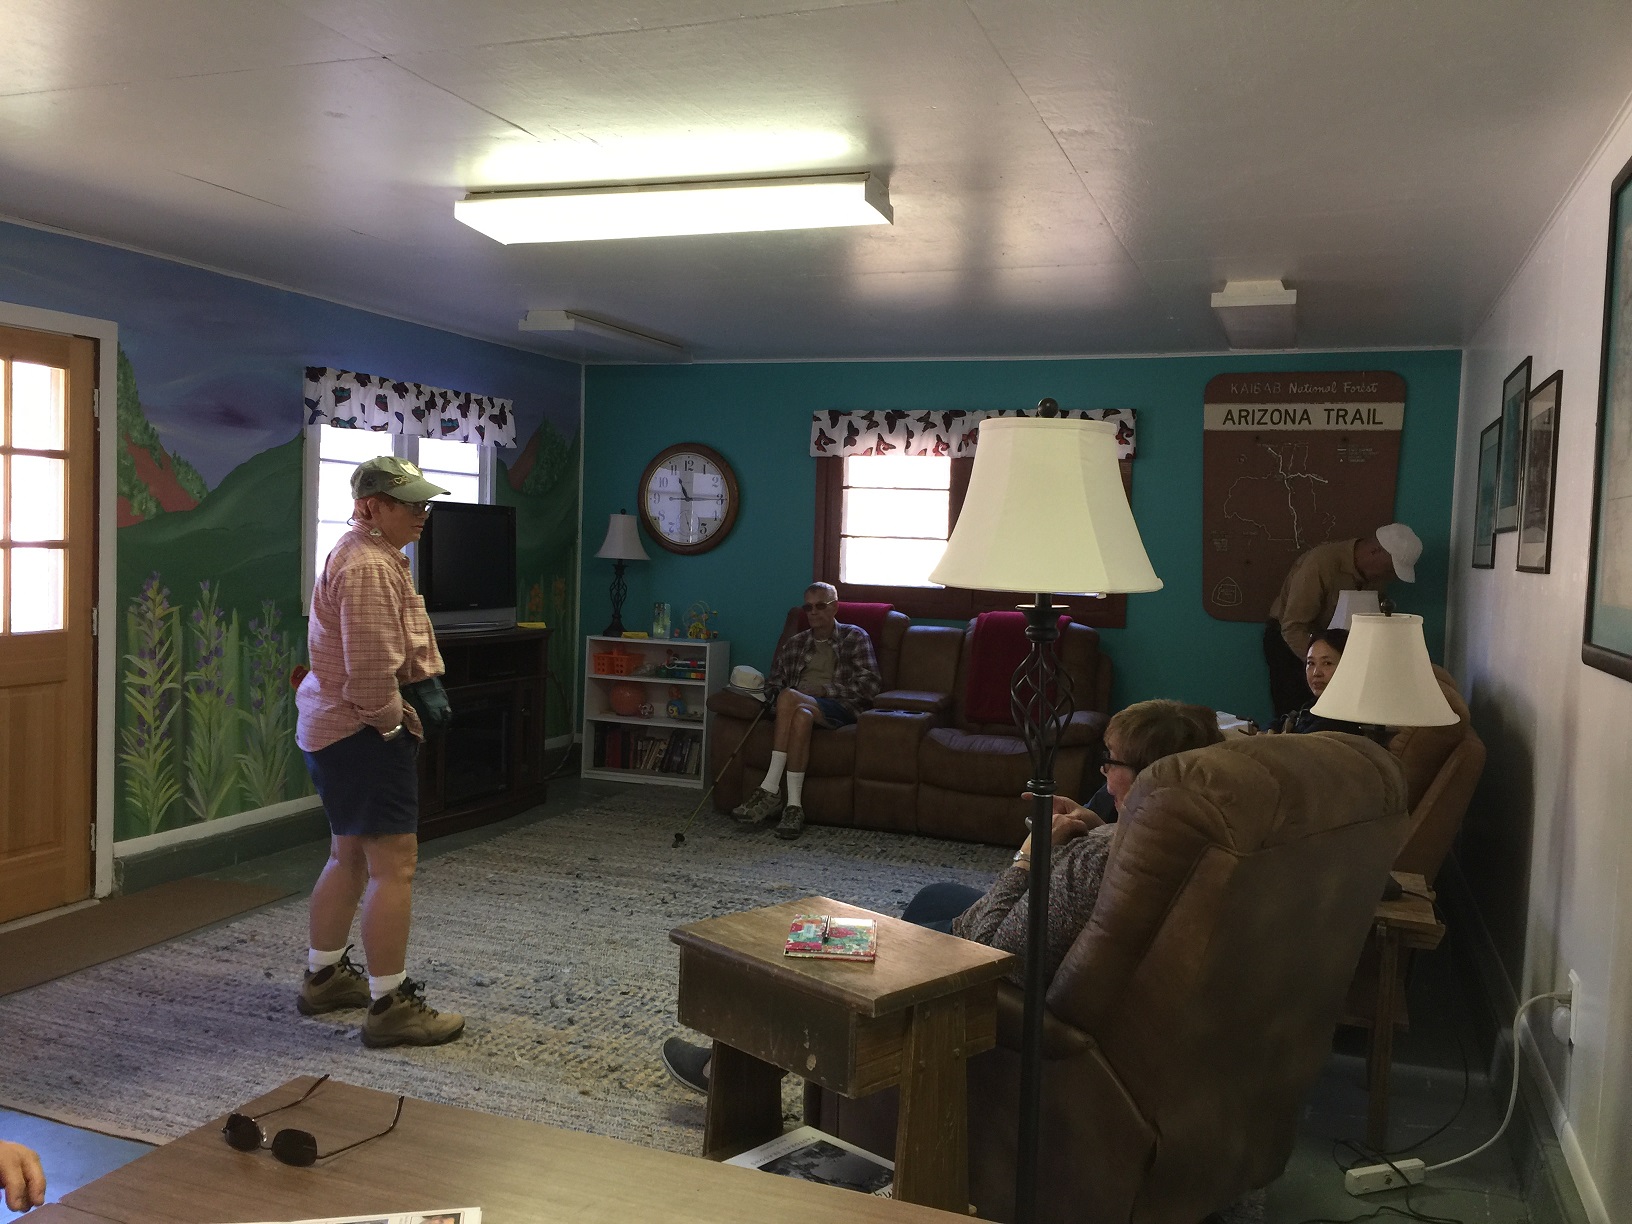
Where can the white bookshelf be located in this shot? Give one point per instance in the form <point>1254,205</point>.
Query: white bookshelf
<point>675,750</point>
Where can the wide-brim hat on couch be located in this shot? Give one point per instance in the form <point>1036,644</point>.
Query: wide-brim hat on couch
<point>749,681</point>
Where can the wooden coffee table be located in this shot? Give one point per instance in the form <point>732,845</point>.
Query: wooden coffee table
<point>911,1018</point>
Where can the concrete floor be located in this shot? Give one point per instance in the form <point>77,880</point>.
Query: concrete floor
<point>1428,1083</point>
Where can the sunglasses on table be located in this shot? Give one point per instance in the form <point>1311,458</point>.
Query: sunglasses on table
<point>292,1147</point>
<point>818,607</point>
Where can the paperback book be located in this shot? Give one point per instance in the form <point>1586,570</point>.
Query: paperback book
<point>446,1215</point>
<point>834,938</point>
<point>813,1155</point>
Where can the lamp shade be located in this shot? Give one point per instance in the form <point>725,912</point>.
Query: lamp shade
<point>1046,512</point>
<point>1384,677</point>
<point>1351,602</point>
<point>622,541</point>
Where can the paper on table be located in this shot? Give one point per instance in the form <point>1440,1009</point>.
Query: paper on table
<point>443,1215</point>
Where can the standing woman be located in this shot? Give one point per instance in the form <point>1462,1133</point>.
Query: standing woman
<point>370,699</point>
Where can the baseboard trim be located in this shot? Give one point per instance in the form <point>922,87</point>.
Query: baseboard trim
<point>134,872</point>
<point>1553,1172</point>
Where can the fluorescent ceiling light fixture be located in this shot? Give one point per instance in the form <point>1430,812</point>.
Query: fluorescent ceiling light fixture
<point>652,210</point>
<point>584,325</point>
<point>670,155</point>
<point>1258,314</point>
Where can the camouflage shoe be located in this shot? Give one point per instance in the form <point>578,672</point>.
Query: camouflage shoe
<point>761,806</point>
<point>333,987</point>
<point>792,823</point>
<point>404,1018</point>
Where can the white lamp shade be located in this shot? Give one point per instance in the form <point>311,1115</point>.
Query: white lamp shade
<point>1351,602</point>
<point>1385,678</point>
<point>622,541</point>
<point>1046,513</point>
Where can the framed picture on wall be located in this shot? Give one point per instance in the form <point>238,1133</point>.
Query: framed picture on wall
<point>1515,394</point>
<point>1538,474</point>
<point>1606,639</point>
<point>1484,505</point>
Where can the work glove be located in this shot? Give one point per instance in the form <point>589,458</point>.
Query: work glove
<point>430,702</point>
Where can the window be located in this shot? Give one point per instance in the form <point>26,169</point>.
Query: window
<point>464,469</point>
<point>882,522</point>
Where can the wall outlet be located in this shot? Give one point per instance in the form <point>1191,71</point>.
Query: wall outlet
<point>1368,1179</point>
<point>1575,1002</point>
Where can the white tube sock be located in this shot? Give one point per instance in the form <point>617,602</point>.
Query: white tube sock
<point>316,960</point>
<point>379,987</point>
<point>773,775</point>
<point>796,789</point>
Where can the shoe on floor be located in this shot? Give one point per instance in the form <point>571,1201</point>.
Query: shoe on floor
<point>333,987</point>
<point>792,823</point>
<point>404,1018</point>
<point>687,1064</point>
<point>761,806</point>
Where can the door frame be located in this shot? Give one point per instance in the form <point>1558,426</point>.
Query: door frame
<point>106,333</point>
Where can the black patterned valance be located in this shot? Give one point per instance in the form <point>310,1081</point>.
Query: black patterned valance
<point>367,401</point>
<point>950,432</point>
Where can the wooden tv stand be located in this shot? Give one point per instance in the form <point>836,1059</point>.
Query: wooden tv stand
<point>490,764</point>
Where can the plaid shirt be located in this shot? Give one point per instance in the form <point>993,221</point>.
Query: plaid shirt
<point>368,634</point>
<point>855,669</point>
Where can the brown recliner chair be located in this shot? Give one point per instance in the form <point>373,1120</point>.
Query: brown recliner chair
<point>1192,1015</point>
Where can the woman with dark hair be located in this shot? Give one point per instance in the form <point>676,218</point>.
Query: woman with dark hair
<point>1319,663</point>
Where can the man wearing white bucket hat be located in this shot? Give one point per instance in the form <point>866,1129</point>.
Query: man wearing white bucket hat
<point>1308,598</point>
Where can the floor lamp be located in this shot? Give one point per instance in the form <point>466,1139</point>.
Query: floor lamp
<point>622,544</point>
<point>1045,513</point>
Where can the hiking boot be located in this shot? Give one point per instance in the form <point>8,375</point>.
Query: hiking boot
<point>761,806</point>
<point>687,1064</point>
<point>792,823</point>
<point>404,1018</point>
<point>333,987</point>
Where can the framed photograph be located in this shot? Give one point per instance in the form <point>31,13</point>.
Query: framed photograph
<point>1538,473</point>
<point>1606,639</point>
<point>1484,506</point>
<point>1515,394</point>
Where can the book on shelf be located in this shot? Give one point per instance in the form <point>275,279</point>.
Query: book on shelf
<point>814,1155</point>
<point>833,938</point>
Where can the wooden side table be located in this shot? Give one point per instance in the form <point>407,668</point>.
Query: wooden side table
<point>1407,923</point>
<point>911,1019</point>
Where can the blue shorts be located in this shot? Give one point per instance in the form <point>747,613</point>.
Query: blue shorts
<point>369,784</point>
<point>837,714</point>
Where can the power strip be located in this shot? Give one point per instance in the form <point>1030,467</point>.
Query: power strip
<point>1368,1179</point>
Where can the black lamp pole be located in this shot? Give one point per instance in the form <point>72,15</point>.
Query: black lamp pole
<point>1040,699</point>
<point>620,588</point>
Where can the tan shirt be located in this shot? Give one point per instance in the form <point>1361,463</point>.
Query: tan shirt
<point>819,668</point>
<point>368,635</point>
<point>1309,595</point>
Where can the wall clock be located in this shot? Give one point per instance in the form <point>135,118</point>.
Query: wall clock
<point>688,498</point>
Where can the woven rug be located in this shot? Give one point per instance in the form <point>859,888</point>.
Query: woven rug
<point>552,939</point>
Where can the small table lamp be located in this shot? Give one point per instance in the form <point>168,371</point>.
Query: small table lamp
<point>1351,602</point>
<point>1045,512</point>
<point>1385,678</point>
<point>622,544</point>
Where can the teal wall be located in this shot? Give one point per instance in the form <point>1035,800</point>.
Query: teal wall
<point>758,416</point>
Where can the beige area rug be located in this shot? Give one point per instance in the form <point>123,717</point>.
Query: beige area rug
<point>46,950</point>
<point>553,940</point>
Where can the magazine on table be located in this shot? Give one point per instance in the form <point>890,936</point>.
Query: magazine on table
<point>443,1215</point>
<point>814,1155</point>
<point>836,938</point>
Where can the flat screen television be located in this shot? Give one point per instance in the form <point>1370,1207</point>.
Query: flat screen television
<point>465,564</point>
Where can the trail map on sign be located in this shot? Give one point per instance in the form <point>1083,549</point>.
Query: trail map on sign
<point>1290,461</point>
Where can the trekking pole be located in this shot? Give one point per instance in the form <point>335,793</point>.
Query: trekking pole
<point>680,837</point>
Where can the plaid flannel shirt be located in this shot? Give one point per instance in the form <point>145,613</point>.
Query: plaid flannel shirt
<point>855,669</point>
<point>368,635</point>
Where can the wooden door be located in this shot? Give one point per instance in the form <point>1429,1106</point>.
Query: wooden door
<point>47,576</point>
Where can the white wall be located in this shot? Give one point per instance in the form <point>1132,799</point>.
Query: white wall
<point>1549,835</point>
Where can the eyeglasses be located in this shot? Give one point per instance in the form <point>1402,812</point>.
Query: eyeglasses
<point>821,607</point>
<point>292,1147</point>
<point>417,507</point>
<point>1109,762</point>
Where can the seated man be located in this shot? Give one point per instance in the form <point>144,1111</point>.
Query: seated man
<point>21,1177</point>
<point>824,676</point>
<point>1138,736</point>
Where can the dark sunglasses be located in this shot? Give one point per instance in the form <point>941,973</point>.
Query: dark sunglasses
<point>822,607</point>
<point>292,1147</point>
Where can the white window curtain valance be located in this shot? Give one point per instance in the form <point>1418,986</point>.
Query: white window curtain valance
<point>950,433</point>
<point>348,400</point>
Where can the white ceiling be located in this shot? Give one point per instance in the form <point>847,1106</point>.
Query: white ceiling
<point>1066,177</point>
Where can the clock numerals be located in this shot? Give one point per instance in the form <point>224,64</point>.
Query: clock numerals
<point>689,498</point>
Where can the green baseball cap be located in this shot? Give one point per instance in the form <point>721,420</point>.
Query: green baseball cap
<point>394,477</point>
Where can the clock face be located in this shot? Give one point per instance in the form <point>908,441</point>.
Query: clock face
<point>688,498</point>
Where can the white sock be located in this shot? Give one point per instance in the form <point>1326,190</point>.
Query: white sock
<point>796,788</point>
<point>316,960</point>
<point>773,775</point>
<point>379,987</point>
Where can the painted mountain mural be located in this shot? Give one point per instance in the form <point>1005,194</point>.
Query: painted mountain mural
<point>150,479</point>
